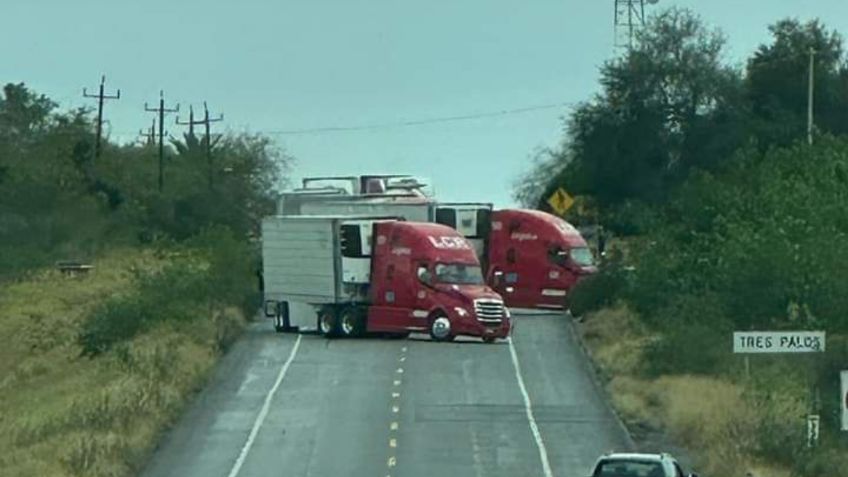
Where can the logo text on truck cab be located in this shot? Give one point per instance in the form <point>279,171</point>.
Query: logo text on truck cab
<point>522,236</point>
<point>449,242</point>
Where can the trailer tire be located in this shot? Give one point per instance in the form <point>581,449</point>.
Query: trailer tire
<point>352,322</point>
<point>328,322</point>
<point>440,328</point>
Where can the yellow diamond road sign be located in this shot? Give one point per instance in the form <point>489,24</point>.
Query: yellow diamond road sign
<point>560,201</point>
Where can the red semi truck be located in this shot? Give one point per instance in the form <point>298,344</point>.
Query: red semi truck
<point>360,274</point>
<point>532,258</point>
<point>535,258</point>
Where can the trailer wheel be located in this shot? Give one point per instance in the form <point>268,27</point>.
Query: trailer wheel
<point>352,322</point>
<point>328,322</point>
<point>440,328</point>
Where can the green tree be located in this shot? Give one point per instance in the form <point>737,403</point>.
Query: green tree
<point>777,81</point>
<point>669,105</point>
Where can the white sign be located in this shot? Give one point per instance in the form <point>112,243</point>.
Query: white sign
<point>844,398</point>
<point>778,341</point>
<point>813,430</point>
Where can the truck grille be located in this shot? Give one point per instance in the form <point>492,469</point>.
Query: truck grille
<point>489,311</point>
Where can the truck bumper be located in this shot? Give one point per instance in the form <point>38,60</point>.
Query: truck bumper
<point>472,327</point>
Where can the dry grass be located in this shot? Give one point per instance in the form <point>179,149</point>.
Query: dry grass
<point>710,416</point>
<point>65,415</point>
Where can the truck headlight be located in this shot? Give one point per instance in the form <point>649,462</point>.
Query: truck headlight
<point>462,312</point>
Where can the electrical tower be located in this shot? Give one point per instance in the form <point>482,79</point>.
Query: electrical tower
<point>629,17</point>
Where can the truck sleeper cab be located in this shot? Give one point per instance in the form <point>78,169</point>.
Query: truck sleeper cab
<point>535,258</point>
<point>377,275</point>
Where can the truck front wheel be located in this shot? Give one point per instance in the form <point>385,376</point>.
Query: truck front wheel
<point>328,322</point>
<point>440,328</point>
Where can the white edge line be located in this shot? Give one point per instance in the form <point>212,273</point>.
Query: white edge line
<point>534,428</point>
<point>266,406</point>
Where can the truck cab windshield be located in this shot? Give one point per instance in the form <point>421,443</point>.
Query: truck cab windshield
<point>459,274</point>
<point>580,256</point>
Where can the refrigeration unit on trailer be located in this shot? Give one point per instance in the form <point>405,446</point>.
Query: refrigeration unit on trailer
<point>366,274</point>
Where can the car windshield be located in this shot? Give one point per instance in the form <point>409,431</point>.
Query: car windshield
<point>619,468</point>
<point>459,274</point>
<point>581,256</point>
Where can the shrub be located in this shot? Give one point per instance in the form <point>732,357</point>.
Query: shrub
<point>599,290</point>
<point>171,294</point>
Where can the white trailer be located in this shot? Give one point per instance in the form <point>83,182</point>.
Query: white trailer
<point>309,261</point>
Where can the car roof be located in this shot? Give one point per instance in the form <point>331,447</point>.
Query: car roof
<point>636,456</point>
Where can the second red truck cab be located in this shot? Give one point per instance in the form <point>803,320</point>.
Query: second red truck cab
<point>535,258</point>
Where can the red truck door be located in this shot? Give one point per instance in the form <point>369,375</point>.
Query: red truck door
<point>422,294</point>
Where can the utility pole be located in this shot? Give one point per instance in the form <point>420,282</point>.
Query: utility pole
<point>191,122</point>
<point>810,88</point>
<point>149,135</point>
<point>161,110</point>
<point>100,98</point>
<point>206,122</point>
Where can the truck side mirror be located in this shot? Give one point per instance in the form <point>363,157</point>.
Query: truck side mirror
<point>424,276</point>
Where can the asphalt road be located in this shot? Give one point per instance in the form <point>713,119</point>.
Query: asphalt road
<point>289,405</point>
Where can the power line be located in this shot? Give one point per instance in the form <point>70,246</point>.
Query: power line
<point>418,122</point>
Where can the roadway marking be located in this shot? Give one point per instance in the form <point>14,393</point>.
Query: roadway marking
<point>392,442</point>
<point>395,409</point>
<point>400,370</point>
<point>393,426</point>
<point>395,395</point>
<point>397,382</point>
<point>402,359</point>
<point>263,413</point>
<point>528,407</point>
<point>391,462</point>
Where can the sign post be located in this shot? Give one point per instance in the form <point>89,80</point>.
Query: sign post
<point>790,342</point>
<point>843,398</point>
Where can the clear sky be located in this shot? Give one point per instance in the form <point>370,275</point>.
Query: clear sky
<point>276,65</point>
